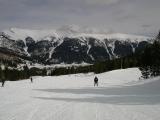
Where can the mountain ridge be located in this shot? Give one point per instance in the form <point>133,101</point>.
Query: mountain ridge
<point>20,34</point>
<point>71,46</point>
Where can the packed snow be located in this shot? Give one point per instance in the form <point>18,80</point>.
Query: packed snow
<point>119,96</point>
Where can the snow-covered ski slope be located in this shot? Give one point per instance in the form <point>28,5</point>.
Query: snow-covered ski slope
<point>120,96</point>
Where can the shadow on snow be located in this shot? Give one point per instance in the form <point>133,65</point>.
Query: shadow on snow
<point>143,94</point>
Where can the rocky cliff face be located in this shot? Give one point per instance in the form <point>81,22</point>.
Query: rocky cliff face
<point>76,48</point>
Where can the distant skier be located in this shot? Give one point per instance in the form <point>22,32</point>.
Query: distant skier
<point>3,81</point>
<point>2,74</point>
<point>31,80</point>
<point>95,81</point>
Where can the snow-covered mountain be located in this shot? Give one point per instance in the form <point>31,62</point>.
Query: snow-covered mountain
<point>68,31</point>
<point>70,44</point>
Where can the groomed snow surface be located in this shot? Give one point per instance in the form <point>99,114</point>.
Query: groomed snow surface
<point>120,96</point>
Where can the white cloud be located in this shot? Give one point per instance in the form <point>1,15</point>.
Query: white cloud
<point>101,2</point>
<point>126,16</point>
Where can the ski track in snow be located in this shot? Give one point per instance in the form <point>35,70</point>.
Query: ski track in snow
<point>120,96</point>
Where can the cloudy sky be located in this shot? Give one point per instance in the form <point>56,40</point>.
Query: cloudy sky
<point>125,16</point>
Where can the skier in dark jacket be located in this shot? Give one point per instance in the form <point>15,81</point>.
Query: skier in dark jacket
<point>31,80</point>
<point>3,81</point>
<point>95,81</point>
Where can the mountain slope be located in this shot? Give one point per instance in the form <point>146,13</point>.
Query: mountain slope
<point>70,45</point>
<point>38,35</point>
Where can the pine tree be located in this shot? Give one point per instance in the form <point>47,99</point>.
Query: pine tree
<point>158,36</point>
<point>145,72</point>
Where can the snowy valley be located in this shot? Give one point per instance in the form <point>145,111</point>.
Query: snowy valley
<point>79,60</point>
